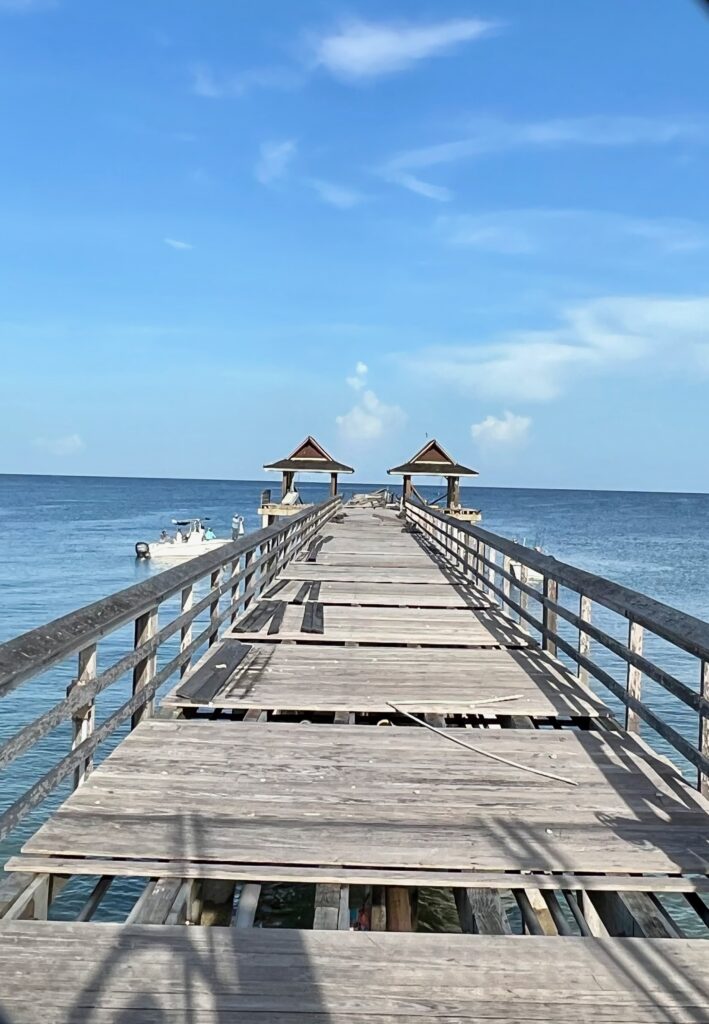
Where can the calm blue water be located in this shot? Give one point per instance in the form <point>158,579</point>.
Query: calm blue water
<point>67,541</point>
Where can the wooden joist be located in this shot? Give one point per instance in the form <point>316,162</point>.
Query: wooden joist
<point>155,902</point>
<point>332,909</point>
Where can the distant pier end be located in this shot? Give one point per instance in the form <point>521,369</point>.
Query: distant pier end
<point>434,460</point>
<point>308,457</point>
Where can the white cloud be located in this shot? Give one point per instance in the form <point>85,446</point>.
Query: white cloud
<point>335,195</point>
<point>420,187</point>
<point>274,160</point>
<point>492,135</point>
<point>175,243</point>
<point>604,335</point>
<point>370,419</point>
<point>214,85</point>
<point>359,380</point>
<point>360,49</point>
<point>508,429</point>
<point>69,444</point>
<point>532,231</point>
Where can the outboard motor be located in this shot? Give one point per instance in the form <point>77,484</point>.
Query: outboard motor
<point>142,550</point>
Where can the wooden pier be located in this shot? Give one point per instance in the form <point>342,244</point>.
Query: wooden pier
<point>366,707</point>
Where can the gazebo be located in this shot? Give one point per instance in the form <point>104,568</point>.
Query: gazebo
<point>434,460</point>
<point>308,457</point>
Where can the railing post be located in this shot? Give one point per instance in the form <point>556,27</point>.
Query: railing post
<point>703,778</point>
<point>186,631</point>
<point>492,558</point>
<point>506,585</point>
<point>248,576</point>
<point>549,616</point>
<point>234,592</point>
<point>585,612</point>
<point>523,596</point>
<point>146,626</point>
<point>83,720</point>
<point>214,579</point>
<point>635,677</point>
<point>477,565</point>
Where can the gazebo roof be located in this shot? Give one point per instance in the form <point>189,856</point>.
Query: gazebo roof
<point>432,460</point>
<point>310,457</point>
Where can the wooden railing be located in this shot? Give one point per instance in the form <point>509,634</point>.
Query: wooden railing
<point>508,572</point>
<point>234,574</point>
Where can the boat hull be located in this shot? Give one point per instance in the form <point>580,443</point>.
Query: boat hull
<point>176,551</point>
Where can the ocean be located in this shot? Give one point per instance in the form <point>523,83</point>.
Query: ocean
<point>67,541</point>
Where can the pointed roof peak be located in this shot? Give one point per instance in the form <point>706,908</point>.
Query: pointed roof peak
<point>310,449</point>
<point>432,460</point>
<point>310,457</point>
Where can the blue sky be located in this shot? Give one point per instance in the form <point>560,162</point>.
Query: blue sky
<point>225,226</point>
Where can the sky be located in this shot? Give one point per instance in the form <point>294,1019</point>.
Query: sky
<point>226,226</point>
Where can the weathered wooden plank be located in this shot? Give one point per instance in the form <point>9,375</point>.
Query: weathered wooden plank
<point>202,976</point>
<point>307,677</point>
<point>386,626</point>
<point>213,671</point>
<point>413,802</point>
<point>403,595</point>
<point>27,863</point>
<point>313,618</point>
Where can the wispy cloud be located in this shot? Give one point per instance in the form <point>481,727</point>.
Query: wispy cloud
<point>508,429</point>
<point>68,444</point>
<point>341,196</point>
<point>484,137</point>
<point>175,243</point>
<point>494,136</point>
<point>604,335</point>
<point>363,49</point>
<point>533,231</point>
<point>274,160</point>
<point>420,187</point>
<point>215,85</point>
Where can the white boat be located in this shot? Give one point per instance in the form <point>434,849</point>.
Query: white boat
<point>191,538</point>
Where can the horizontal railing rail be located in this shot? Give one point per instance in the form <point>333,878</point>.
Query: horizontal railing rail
<point>507,570</point>
<point>239,571</point>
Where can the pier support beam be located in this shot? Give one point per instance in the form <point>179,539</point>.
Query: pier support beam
<point>401,908</point>
<point>217,902</point>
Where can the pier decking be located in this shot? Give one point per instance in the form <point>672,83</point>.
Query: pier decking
<point>286,754</point>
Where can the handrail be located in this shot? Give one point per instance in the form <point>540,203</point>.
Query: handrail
<point>473,552</point>
<point>38,649</point>
<point>682,629</point>
<point>238,571</point>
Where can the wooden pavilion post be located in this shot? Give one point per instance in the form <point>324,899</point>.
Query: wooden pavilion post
<point>453,496</point>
